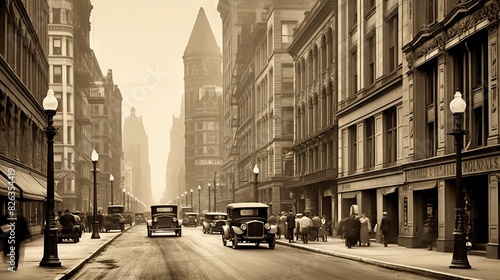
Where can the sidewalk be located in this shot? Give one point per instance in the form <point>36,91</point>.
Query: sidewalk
<point>72,257</point>
<point>414,260</point>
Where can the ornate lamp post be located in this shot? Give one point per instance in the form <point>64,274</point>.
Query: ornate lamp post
<point>457,107</point>
<point>208,197</point>
<point>255,183</point>
<point>95,230</point>
<point>111,179</point>
<point>191,197</point>
<point>186,196</point>
<point>128,202</point>
<point>123,198</point>
<point>50,254</point>
<point>199,200</point>
<point>215,191</point>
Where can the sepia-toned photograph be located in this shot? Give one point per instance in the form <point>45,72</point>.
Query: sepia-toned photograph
<point>249,139</point>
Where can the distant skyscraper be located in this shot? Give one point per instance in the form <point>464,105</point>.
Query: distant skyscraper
<point>203,108</point>
<point>137,173</point>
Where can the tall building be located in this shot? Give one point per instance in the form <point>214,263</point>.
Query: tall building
<point>24,82</point>
<point>71,62</point>
<point>202,111</point>
<point>258,91</point>
<point>314,150</point>
<point>136,168</point>
<point>175,171</point>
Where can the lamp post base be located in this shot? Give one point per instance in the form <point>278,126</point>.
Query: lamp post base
<point>50,255</point>
<point>95,231</point>
<point>459,259</point>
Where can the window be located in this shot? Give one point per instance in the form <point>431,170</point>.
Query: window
<point>430,95</point>
<point>370,142</point>
<point>56,48</point>
<point>287,79</point>
<point>287,29</point>
<point>352,149</point>
<point>430,11</point>
<point>391,135</point>
<point>392,43</point>
<point>370,60</point>
<point>57,76</point>
<point>211,137</point>
<point>199,126</point>
<point>353,13</point>
<point>353,66</point>
<point>56,15</point>
<point>68,74</point>
<point>287,116</point>
<point>60,104</point>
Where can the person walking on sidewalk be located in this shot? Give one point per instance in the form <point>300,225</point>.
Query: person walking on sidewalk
<point>14,243</point>
<point>364,232</point>
<point>316,220</point>
<point>385,227</point>
<point>282,224</point>
<point>290,223</point>
<point>305,224</point>
<point>430,230</point>
<point>323,229</point>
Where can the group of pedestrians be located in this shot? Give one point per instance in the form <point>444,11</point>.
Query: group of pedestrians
<point>300,226</point>
<point>356,229</point>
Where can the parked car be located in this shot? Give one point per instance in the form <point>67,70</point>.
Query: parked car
<point>190,219</point>
<point>214,221</point>
<point>129,218</point>
<point>164,219</point>
<point>247,222</point>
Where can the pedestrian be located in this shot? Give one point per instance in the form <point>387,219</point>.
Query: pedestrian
<point>365,230</point>
<point>290,222</point>
<point>323,229</point>
<point>430,230</point>
<point>305,224</point>
<point>297,226</point>
<point>100,220</point>
<point>282,224</point>
<point>351,230</point>
<point>316,220</point>
<point>17,233</point>
<point>385,228</point>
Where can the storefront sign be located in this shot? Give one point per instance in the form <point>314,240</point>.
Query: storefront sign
<point>448,170</point>
<point>208,162</point>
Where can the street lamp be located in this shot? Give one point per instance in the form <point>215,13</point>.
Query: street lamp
<point>199,200</point>
<point>186,196</point>
<point>208,197</point>
<point>129,204</point>
<point>191,197</point>
<point>50,254</point>
<point>111,179</point>
<point>95,231</point>
<point>215,191</point>
<point>457,107</point>
<point>182,200</point>
<point>123,199</point>
<point>255,182</point>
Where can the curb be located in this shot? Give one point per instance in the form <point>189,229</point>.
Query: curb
<point>397,267</point>
<point>73,270</point>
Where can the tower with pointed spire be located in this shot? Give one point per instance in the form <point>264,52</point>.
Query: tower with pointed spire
<point>202,109</point>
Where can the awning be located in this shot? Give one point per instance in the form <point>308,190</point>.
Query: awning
<point>349,195</point>
<point>34,188</point>
<point>419,186</point>
<point>388,190</point>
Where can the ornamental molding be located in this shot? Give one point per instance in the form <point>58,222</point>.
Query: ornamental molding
<point>488,11</point>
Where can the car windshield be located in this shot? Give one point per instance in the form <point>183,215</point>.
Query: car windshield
<point>112,210</point>
<point>250,212</point>
<point>218,217</point>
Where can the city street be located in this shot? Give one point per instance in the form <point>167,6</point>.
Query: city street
<point>201,256</point>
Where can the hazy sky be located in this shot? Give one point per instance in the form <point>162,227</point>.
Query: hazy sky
<point>143,43</point>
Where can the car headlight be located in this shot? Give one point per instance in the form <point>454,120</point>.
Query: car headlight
<point>174,220</point>
<point>267,226</point>
<point>155,219</point>
<point>243,226</point>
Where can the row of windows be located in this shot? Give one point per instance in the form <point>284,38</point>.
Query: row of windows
<point>62,46</point>
<point>57,74</point>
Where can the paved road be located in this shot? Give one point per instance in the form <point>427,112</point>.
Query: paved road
<point>200,256</point>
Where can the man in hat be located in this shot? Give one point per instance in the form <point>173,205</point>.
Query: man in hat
<point>385,227</point>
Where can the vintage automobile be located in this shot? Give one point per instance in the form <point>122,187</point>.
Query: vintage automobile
<point>68,231</point>
<point>129,218</point>
<point>190,219</point>
<point>114,219</point>
<point>247,222</point>
<point>139,218</point>
<point>164,219</point>
<point>214,221</point>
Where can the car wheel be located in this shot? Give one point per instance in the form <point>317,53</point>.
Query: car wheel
<point>224,241</point>
<point>235,241</point>
<point>272,242</point>
<point>257,244</point>
<point>180,233</point>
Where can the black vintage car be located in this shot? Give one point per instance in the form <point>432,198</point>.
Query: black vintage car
<point>114,220</point>
<point>214,221</point>
<point>190,219</point>
<point>247,222</point>
<point>164,219</point>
